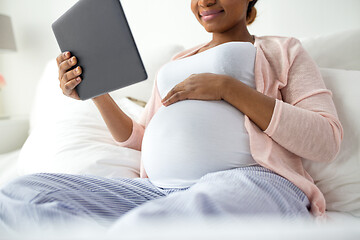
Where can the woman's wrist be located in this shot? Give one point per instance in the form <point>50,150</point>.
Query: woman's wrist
<point>100,98</point>
<point>119,124</point>
<point>228,87</point>
<point>257,106</point>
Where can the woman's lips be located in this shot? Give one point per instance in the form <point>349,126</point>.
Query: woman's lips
<point>209,15</point>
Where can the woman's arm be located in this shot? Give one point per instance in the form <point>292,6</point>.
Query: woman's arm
<point>257,106</point>
<point>305,121</point>
<point>119,124</point>
<point>125,131</point>
<point>134,141</point>
<point>208,86</point>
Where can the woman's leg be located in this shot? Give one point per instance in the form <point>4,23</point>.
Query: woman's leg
<point>249,191</point>
<point>59,198</point>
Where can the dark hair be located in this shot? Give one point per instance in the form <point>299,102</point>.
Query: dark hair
<point>251,12</point>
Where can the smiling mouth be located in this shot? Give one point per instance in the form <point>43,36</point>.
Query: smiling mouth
<point>209,15</point>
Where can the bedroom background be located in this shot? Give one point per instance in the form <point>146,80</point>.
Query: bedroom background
<point>328,29</point>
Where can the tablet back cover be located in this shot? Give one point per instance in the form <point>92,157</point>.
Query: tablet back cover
<point>98,34</point>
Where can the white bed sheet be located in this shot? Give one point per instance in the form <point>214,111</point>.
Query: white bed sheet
<point>242,228</point>
<point>8,171</point>
<point>339,225</point>
<point>208,229</point>
<point>8,166</point>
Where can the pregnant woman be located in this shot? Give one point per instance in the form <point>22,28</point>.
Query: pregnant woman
<point>223,134</point>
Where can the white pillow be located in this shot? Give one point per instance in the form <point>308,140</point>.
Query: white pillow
<point>340,179</point>
<point>70,136</point>
<point>153,56</point>
<point>340,50</point>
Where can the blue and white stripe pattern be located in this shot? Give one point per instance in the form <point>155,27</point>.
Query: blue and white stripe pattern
<point>62,198</point>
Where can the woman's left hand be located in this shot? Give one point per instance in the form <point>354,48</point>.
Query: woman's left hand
<point>203,86</point>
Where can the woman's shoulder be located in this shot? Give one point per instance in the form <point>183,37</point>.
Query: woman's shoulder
<point>279,53</point>
<point>279,40</point>
<point>276,44</point>
<point>279,50</point>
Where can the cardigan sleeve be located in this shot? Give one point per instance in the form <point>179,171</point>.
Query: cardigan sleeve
<point>305,121</point>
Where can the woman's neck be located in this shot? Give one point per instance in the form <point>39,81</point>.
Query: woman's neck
<point>237,33</point>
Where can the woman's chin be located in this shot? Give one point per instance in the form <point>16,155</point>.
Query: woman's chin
<point>211,28</point>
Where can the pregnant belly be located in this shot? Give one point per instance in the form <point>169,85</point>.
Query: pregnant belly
<point>191,138</point>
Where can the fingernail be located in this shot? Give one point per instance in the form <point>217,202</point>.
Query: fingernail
<point>78,69</point>
<point>78,79</point>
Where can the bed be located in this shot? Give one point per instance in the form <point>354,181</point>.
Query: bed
<point>69,136</point>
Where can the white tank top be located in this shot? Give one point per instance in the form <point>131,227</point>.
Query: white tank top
<point>191,138</point>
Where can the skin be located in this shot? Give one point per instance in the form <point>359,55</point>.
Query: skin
<point>229,25</point>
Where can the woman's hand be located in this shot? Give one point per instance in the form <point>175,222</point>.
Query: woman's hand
<point>207,86</point>
<point>203,86</point>
<point>68,79</point>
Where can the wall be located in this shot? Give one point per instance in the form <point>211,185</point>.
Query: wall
<point>151,21</point>
<point>305,18</point>
<point>35,46</point>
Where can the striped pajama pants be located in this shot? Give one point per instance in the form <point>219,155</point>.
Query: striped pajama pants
<point>54,199</point>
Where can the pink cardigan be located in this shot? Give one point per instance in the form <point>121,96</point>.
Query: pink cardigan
<point>304,123</point>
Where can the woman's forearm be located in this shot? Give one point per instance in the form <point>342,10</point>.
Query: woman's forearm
<point>257,106</point>
<point>119,124</point>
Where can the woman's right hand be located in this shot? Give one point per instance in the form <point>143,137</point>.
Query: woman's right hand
<point>119,124</point>
<point>69,79</point>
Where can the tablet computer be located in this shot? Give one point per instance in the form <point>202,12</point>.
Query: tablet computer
<point>98,34</point>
